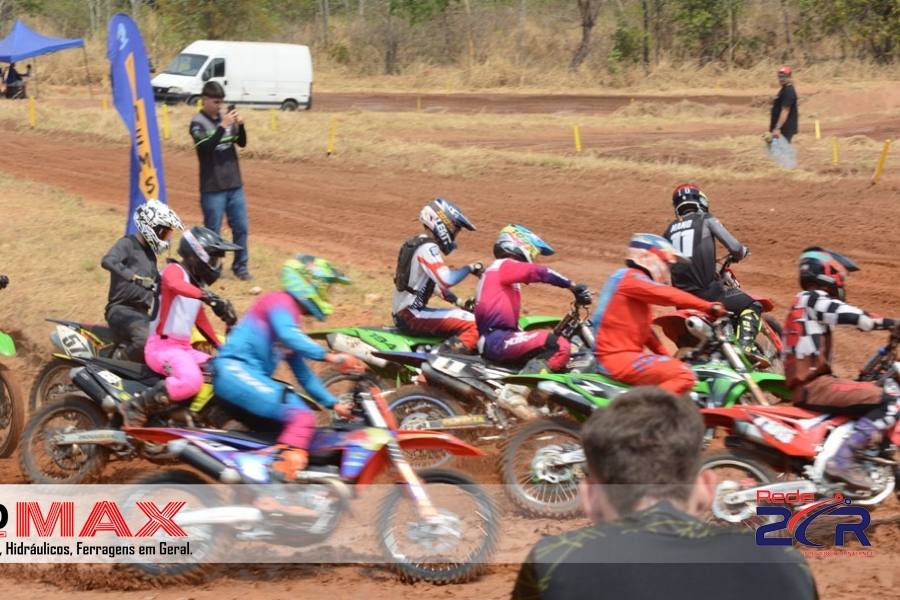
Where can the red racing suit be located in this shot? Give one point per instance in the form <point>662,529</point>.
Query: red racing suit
<point>622,328</point>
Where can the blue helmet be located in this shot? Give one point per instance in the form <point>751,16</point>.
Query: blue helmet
<point>307,278</point>
<point>520,243</point>
<point>444,220</point>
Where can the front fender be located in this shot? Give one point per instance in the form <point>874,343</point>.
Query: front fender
<point>767,382</point>
<point>436,440</point>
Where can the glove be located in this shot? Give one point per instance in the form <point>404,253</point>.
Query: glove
<point>467,305</point>
<point>347,363</point>
<point>223,309</point>
<point>582,294</point>
<point>717,309</point>
<point>744,253</point>
<point>4,281</point>
<point>144,282</point>
<point>344,410</point>
<point>476,268</point>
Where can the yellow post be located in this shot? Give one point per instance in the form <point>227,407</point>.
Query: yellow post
<point>273,119</point>
<point>331,139</point>
<point>419,104</point>
<point>199,104</point>
<point>165,108</point>
<point>31,111</point>
<point>104,102</point>
<point>717,86</point>
<point>834,149</point>
<point>577,140</point>
<point>818,131</point>
<point>448,86</point>
<point>632,100</point>
<point>887,144</point>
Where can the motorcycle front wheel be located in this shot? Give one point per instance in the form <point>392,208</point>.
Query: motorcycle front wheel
<point>342,385</point>
<point>532,480</point>
<point>12,412</point>
<point>452,547</point>
<point>44,461</point>
<point>768,346</point>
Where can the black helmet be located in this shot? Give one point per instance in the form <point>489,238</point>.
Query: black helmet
<point>689,198</point>
<point>203,251</point>
<point>826,269</point>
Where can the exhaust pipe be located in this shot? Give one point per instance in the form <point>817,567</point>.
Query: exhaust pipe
<point>205,463</point>
<point>453,385</point>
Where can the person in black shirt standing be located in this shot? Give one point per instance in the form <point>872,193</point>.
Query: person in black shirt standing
<point>784,107</point>
<point>131,263</point>
<point>694,233</point>
<point>644,492</point>
<point>221,189</point>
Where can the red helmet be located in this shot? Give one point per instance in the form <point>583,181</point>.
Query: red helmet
<point>825,269</point>
<point>785,70</point>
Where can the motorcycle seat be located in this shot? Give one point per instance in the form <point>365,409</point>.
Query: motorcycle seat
<point>131,370</point>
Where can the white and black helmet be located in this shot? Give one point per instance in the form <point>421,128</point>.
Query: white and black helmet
<point>156,221</point>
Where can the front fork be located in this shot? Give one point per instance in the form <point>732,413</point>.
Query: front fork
<point>407,476</point>
<point>737,363</point>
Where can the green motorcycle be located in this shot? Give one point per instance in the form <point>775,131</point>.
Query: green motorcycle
<point>12,403</point>
<point>542,462</point>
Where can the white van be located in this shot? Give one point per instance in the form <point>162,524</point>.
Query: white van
<point>252,73</point>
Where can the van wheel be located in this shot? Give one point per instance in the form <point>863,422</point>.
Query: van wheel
<point>308,104</point>
<point>192,100</point>
<point>289,105</point>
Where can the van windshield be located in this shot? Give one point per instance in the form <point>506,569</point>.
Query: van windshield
<point>186,64</point>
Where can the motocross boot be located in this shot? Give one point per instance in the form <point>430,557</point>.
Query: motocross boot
<point>154,399</point>
<point>453,345</point>
<point>748,328</point>
<point>844,465</point>
<point>288,462</point>
<point>514,398</point>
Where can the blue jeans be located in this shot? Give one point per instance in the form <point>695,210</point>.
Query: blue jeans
<point>230,203</point>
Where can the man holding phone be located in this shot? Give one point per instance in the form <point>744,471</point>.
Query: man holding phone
<point>221,189</point>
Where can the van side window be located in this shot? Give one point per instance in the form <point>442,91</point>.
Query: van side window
<point>218,67</point>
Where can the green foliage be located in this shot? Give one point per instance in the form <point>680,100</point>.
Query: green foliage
<point>216,20</point>
<point>628,44</point>
<point>870,27</point>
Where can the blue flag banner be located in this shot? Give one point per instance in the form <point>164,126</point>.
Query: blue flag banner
<point>129,72</point>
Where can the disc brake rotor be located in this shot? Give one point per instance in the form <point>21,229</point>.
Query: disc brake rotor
<point>436,534</point>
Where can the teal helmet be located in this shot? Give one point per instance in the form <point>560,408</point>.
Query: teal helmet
<point>307,278</point>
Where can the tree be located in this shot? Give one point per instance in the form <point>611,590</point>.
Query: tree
<point>589,10</point>
<point>870,26</point>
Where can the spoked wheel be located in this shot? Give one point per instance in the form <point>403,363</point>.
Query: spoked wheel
<point>12,413</point>
<point>736,471</point>
<point>180,486</point>
<point>768,346</point>
<point>44,461</point>
<point>542,466</point>
<point>413,407</point>
<point>52,384</point>
<point>453,546</point>
<point>341,386</point>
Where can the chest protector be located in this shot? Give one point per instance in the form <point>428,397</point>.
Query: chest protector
<point>404,263</point>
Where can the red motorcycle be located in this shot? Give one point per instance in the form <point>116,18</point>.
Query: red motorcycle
<point>674,326</point>
<point>781,449</point>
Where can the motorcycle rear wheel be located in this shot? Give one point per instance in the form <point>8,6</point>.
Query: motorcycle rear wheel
<point>12,412</point>
<point>52,384</point>
<point>342,384</point>
<point>420,551</point>
<point>42,461</point>
<point>412,407</point>
<point>523,486</point>
<point>206,542</point>
<point>768,346</point>
<point>735,466</point>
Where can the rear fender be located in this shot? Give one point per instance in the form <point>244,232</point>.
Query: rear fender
<point>538,322</point>
<point>7,345</point>
<point>767,305</point>
<point>673,324</point>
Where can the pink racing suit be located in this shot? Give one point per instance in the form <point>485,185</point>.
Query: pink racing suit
<point>168,350</point>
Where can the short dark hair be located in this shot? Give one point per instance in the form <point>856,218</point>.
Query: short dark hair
<point>212,89</point>
<point>645,444</point>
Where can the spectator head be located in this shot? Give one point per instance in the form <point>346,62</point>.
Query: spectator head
<point>645,447</point>
<point>784,75</point>
<point>212,89</point>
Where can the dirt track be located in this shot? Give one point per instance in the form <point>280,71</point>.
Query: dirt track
<point>587,218</point>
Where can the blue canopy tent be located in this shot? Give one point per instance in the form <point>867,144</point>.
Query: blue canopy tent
<point>22,43</point>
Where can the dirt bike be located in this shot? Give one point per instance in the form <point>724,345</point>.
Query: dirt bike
<point>364,342</point>
<point>542,462</point>
<point>673,325</point>
<point>785,449</point>
<point>71,439</point>
<point>12,403</point>
<point>80,340</point>
<point>443,531</point>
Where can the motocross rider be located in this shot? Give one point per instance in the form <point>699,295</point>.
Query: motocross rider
<point>497,307</point>
<point>421,271</point>
<point>131,263</point>
<point>808,353</point>
<point>624,314</point>
<point>269,332</point>
<point>178,309</point>
<point>694,233</point>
